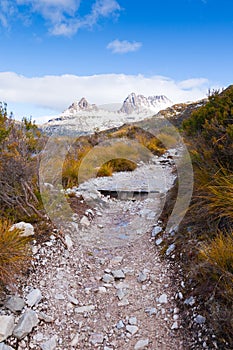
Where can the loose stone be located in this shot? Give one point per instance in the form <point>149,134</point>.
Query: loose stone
<point>6,327</point>
<point>15,304</point>
<point>26,323</point>
<point>96,338</point>
<point>141,344</point>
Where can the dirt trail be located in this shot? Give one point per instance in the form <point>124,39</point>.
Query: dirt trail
<point>110,290</point>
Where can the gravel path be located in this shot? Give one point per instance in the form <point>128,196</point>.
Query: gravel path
<point>110,289</point>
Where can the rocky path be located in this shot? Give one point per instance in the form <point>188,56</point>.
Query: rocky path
<point>108,288</point>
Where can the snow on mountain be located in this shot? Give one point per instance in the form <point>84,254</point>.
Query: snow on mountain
<point>139,103</point>
<point>83,117</point>
<point>79,107</point>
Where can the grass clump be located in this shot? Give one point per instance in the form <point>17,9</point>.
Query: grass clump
<point>116,165</point>
<point>105,170</point>
<point>218,253</point>
<point>14,253</point>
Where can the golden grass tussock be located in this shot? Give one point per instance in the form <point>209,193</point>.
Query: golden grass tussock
<point>219,253</point>
<point>217,192</point>
<point>105,170</point>
<point>14,253</point>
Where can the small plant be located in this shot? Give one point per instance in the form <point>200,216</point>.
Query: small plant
<point>14,253</point>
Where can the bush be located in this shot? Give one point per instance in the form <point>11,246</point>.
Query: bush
<point>14,253</point>
<point>20,145</point>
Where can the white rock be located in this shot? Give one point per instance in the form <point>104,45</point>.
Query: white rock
<point>121,293</point>
<point>133,321</point>
<point>142,277</point>
<point>116,260</point>
<point>26,228</point>
<point>107,278</point>
<point>72,300</point>
<point>38,337</point>
<point>82,309</point>
<point>15,304</point>
<point>132,329</point>
<point>199,319</point>
<point>68,241</point>
<point>158,241</point>
<point>7,324</point>
<point>85,222</point>
<point>43,317</point>
<point>51,344</point>
<point>163,299</point>
<point>34,297</point>
<point>26,323</point>
<point>5,347</point>
<point>156,230</point>
<point>75,340</point>
<point>120,324</point>
<point>118,274</point>
<point>96,338</point>
<point>190,301</point>
<point>123,302</point>
<point>151,311</point>
<point>170,249</point>
<point>175,325</point>
<point>141,344</point>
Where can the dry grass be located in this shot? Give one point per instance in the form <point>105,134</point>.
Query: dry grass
<point>219,253</point>
<point>14,253</point>
<point>105,170</point>
<point>219,194</point>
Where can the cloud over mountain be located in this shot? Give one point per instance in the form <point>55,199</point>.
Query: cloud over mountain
<point>56,92</point>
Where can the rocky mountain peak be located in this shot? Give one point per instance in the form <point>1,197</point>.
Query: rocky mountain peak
<point>82,105</point>
<point>139,103</point>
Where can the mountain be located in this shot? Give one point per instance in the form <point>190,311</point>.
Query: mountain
<point>139,103</point>
<point>83,117</point>
<point>82,106</point>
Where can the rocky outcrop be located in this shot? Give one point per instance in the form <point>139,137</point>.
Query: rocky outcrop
<point>82,105</point>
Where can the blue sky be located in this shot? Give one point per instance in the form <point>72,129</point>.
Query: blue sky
<point>178,48</point>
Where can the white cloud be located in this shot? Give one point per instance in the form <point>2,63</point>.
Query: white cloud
<point>61,16</point>
<point>56,93</point>
<point>123,46</point>
<point>7,9</point>
<point>192,83</point>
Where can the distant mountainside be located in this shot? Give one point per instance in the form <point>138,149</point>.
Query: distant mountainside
<point>139,103</point>
<point>83,117</point>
